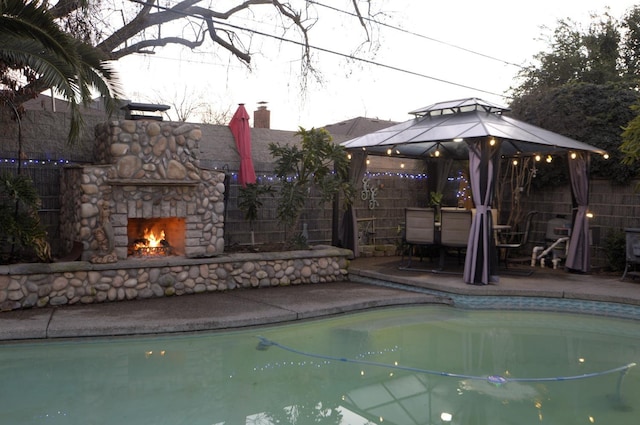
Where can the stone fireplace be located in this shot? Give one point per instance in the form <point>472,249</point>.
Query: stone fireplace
<point>145,189</point>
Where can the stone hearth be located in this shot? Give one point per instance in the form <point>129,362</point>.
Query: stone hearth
<point>145,170</point>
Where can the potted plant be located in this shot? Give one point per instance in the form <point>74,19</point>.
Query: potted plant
<point>435,200</point>
<point>249,202</point>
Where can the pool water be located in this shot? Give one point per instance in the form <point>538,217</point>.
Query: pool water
<point>409,365</point>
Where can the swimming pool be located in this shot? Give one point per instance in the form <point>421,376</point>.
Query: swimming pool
<point>404,365</point>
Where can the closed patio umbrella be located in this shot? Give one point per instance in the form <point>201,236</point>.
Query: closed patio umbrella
<point>239,126</point>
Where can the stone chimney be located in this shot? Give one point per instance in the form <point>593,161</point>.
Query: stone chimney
<point>262,116</point>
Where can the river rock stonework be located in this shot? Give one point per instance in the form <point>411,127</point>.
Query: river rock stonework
<point>144,169</point>
<point>81,282</point>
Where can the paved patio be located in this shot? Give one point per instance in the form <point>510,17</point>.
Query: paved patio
<point>520,279</point>
<point>265,306</point>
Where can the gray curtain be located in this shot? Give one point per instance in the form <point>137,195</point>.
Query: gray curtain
<point>349,225</point>
<point>443,167</point>
<point>481,259</point>
<point>579,255</point>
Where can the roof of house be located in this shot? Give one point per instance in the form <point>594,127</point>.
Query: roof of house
<point>358,126</point>
<point>218,149</point>
<point>46,103</point>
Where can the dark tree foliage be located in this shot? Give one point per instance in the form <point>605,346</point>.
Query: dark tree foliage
<point>590,113</point>
<point>584,88</point>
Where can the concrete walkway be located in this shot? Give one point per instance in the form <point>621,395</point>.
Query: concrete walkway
<point>520,280</point>
<point>264,306</point>
<point>207,311</point>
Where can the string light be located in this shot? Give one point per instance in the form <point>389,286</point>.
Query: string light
<point>549,159</point>
<point>538,158</point>
<point>397,174</point>
<point>35,161</point>
<point>402,175</point>
<point>574,155</point>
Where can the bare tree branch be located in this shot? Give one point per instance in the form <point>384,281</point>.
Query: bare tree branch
<point>141,30</point>
<point>360,18</point>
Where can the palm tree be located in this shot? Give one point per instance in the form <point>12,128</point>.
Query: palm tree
<point>35,54</point>
<point>34,48</point>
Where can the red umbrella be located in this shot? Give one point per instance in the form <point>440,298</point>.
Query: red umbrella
<point>239,126</point>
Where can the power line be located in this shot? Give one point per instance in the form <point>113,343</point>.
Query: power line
<point>325,50</point>
<point>416,34</point>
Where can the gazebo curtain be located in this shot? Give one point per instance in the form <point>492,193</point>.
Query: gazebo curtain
<point>579,256</point>
<point>443,167</point>
<point>349,228</point>
<point>481,259</point>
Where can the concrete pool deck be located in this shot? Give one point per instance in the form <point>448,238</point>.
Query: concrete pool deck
<point>266,306</point>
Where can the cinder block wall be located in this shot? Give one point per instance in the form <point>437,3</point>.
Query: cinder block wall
<point>614,207</point>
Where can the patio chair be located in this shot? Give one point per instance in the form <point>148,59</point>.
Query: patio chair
<point>455,225</point>
<point>515,240</point>
<point>419,229</point>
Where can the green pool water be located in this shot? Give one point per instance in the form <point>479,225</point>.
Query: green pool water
<point>411,365</point>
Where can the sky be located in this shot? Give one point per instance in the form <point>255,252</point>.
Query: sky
<point>421,65</point>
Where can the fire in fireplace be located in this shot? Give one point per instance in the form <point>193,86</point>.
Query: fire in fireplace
<point>155,237</point>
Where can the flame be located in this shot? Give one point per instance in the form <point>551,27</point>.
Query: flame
<point>151,240</point>
<point>154,241</point>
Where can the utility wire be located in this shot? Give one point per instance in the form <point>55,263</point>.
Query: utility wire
<point>358,59</point>
<point>325,50</point>
<point>464,49</point>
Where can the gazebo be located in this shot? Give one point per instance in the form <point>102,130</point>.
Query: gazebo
<point>479,131</point>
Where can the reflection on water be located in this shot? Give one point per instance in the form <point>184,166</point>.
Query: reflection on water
<point>413,365</point>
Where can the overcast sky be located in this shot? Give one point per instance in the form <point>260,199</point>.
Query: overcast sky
<point>427,71</point>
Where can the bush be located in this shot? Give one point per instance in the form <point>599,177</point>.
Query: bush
<point>615,248</point>
<point>21,234</point>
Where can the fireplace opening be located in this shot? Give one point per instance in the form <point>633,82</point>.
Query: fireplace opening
<point>155,237</point>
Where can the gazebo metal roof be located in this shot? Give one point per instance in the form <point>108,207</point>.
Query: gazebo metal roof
<point>442,126</point>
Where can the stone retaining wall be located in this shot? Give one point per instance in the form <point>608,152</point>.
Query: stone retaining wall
<point>80,282</point>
